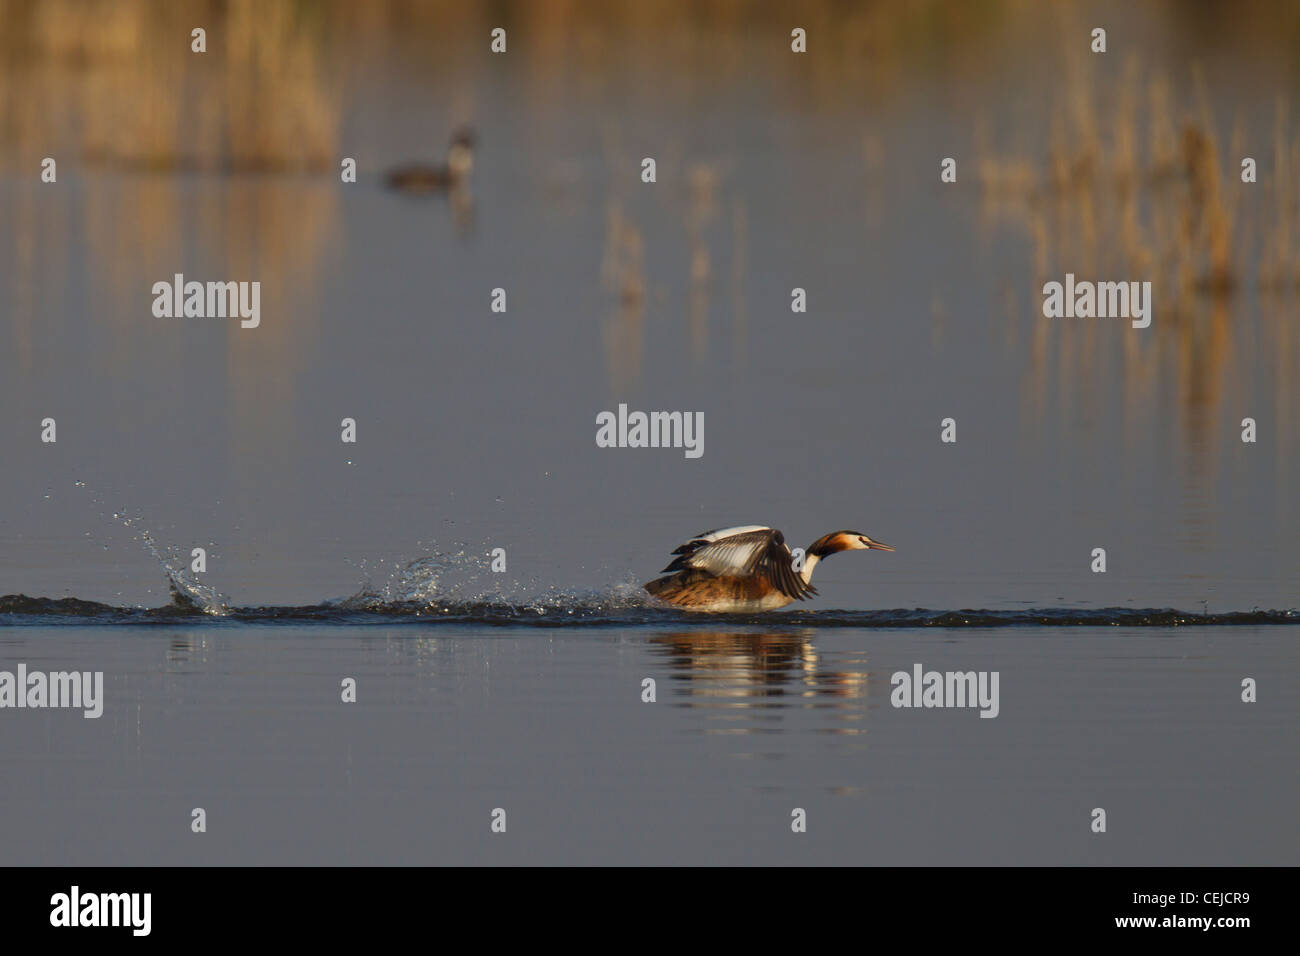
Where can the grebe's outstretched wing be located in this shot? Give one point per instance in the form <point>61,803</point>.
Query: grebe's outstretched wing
<point>741,552</point>
<point>725,551</point>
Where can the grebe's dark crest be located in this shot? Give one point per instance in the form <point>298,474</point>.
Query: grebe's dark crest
<point>748,568</point>
<point>454,174</point>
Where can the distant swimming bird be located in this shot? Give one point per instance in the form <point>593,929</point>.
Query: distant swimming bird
<point>748,568</point>
<point>423,179</point>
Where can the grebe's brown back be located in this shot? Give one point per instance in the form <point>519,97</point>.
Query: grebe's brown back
<point>424,179</point>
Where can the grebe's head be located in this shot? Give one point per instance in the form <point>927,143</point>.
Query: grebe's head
<point>460,154</point>
<point>838,541</point>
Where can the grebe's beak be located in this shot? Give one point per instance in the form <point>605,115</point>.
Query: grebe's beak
<point>877,546</point>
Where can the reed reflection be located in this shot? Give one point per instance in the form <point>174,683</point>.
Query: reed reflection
<point>1149,189</point>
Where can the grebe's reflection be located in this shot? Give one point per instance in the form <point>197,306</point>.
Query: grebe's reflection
<point>746,670</point>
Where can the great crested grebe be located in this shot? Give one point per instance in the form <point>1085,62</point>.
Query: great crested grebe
<point>424,179</point>
<point>748,568</point>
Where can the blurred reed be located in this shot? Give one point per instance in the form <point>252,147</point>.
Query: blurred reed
<point>121,80</point>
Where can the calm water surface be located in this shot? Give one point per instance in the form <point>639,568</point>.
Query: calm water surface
<point>453,722</point>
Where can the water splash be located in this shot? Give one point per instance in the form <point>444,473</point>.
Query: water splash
<point>438,575</point>
<point>185,588</point>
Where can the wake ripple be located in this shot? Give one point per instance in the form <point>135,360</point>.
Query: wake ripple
<point>18,610</point>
